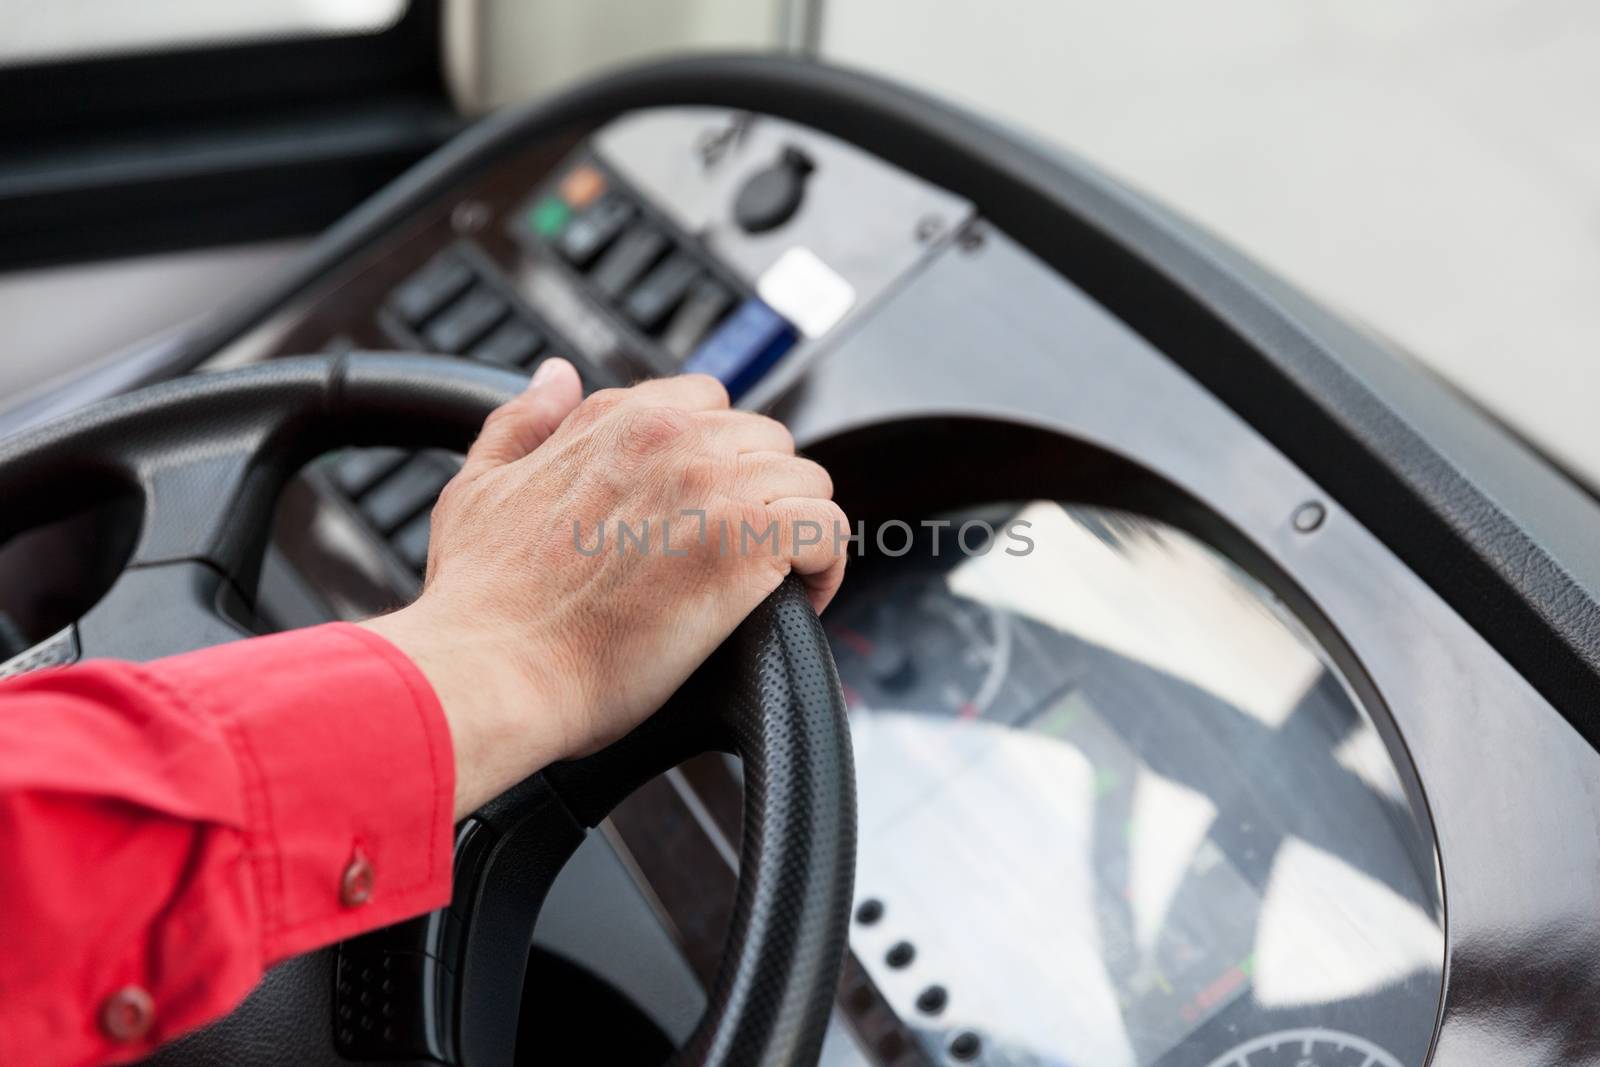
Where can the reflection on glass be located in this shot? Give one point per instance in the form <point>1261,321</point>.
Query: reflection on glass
<point>1125,811</point>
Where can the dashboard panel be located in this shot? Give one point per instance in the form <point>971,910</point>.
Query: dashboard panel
<point>1281,756</point>
<point>624,254</point>
<point>955,338</point>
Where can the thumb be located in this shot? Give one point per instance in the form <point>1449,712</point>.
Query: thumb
<point>519,426</point>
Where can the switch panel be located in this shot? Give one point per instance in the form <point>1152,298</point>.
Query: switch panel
<point>650,294</point>
<point>744,347</point>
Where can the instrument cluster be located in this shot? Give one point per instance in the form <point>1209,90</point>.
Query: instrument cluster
<point>1118,807</point>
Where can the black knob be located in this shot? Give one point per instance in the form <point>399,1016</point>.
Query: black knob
<point>931,1001</point>
<point>965,1046</point>
<point>770,197</point>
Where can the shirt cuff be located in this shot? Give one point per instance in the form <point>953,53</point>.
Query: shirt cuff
<point>348,778</point>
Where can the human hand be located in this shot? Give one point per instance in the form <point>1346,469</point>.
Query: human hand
<point>541,648</point>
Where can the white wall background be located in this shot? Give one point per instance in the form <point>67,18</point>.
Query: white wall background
<point>32,30</point>
<point>1431,166</point>
<point>527,47</point>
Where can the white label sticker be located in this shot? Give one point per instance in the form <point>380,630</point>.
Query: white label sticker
<point>806,291</point>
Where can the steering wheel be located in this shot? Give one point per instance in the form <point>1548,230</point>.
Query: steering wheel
<point>208,454</point>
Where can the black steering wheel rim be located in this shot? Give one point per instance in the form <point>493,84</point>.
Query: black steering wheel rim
<point>208,454</point>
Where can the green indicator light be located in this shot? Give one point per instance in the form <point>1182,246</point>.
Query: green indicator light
<point>548,216</point>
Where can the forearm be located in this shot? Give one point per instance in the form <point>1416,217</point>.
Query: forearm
<point>175,828</point>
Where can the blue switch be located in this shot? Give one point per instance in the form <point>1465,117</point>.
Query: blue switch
<point>751,340</point>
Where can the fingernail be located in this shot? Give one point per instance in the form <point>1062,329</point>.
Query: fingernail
<point>545,372</point>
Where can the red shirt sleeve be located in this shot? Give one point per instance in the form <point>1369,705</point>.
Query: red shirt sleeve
<point>169,830</point>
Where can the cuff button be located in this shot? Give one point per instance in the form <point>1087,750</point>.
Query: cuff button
<point>126,1015</point>
<point>355,887</point>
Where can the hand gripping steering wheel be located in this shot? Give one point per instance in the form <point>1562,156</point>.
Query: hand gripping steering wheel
<point>208,454</point>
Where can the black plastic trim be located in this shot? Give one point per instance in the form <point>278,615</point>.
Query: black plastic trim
<point>91,95</point>
<point>169,149</point>
<point>249,179</point>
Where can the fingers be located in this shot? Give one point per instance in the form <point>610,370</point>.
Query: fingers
<point>813,533</point>
<point>744,431</point>
<point>681,423</point>
<point>521,425</point>
<point>769,476</point>
<point>690,392</point>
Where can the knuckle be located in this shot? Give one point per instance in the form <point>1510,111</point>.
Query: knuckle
<point>751,539</point>
<point>781,436</point>
<point>499,416</point>
<point>739,514</point>
<point>833,518</point>
<point>450,496</point>
<point>823,479</point>
<point>756,517</point>
<point>701,476</point>
<point>757,433</point>
<point>714,388</point>
<point>599,405</point>
<point>648,431</point>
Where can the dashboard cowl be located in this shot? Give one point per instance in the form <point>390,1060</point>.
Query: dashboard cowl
<point>1495,530</point>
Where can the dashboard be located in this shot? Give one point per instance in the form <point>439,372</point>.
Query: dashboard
<point>1221,692</point>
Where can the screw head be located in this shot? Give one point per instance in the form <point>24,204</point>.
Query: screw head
<point>1309,516</point>
<point>469,216</point>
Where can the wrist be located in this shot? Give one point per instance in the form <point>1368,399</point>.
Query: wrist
<point>502,723</point>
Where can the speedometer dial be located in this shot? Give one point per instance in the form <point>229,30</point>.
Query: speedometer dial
<point>1118,806</point>
<point>929,650</point>
<point>1307,1048</point>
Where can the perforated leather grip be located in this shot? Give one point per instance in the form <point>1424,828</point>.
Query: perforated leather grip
<point>797,859</point>
<point>770,695</point>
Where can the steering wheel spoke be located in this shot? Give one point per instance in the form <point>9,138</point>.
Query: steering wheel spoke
<point>151,611</point>
<point>207,456</point>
